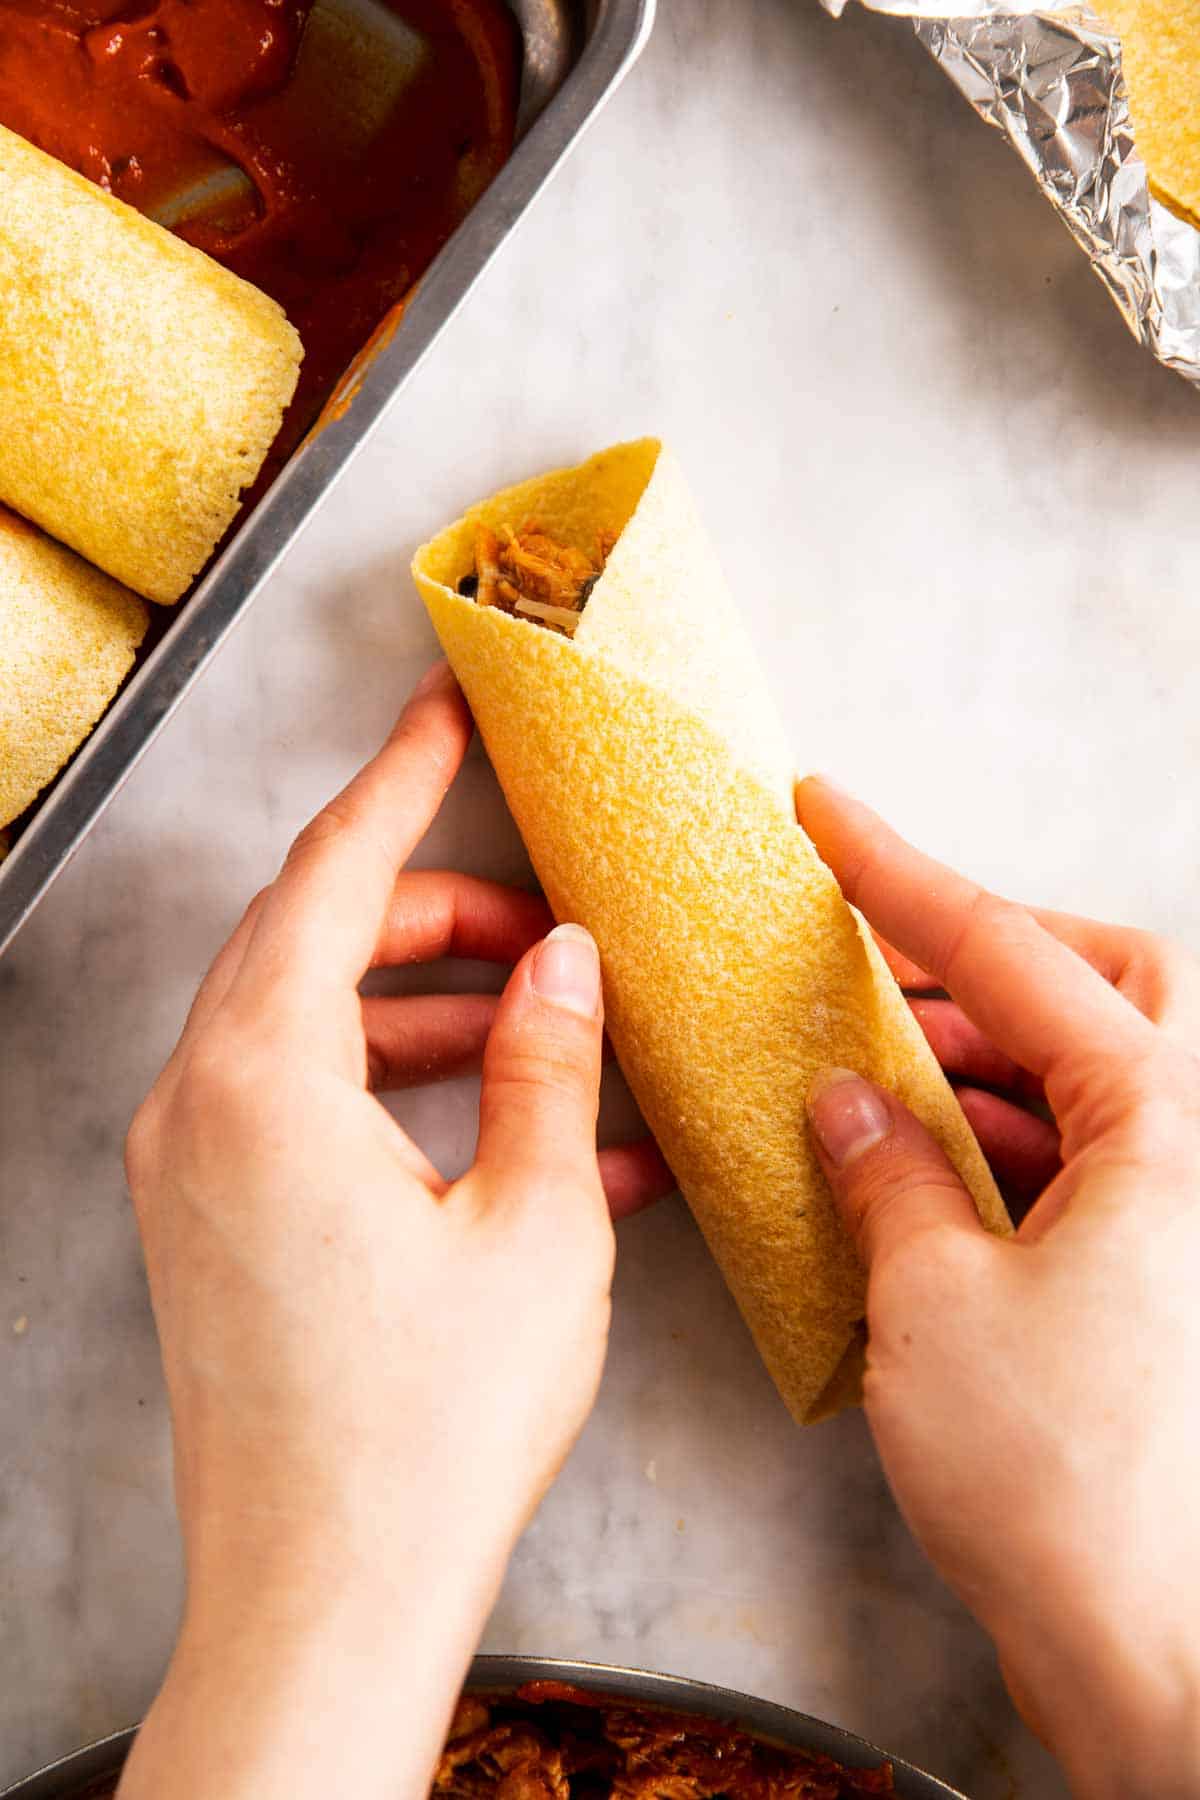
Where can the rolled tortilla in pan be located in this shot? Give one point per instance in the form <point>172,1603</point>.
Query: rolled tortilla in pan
<point>649,776</point>
<point>67,640</point>
<point>141,384</point>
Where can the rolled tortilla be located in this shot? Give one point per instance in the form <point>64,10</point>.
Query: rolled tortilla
<point>650,779</point>
<point>141,384</point>
<point>67,640</point>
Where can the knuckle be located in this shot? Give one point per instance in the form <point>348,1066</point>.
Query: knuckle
<point>898,1198</point>
<point>857,871</point>
<point>1157,971</point>
<point>894,1168</point>
<point>256,905</point>
<point>428,903</point>
<point>1147,948</point>
<point>435,757</point>
<point>1152,1073</point>
<point>141,1143</point>
<point>1168,1113</point>
<point>862,862</point>
<point>527,1081</point>
<point>557,1217</point>
<point>1147,1106</point>
<point>342,829</point>
<point>380,1071</point>
<point>223,1079</point>
<point>326,828</point>
<point>931,1263</point>
<point>1102,1092</point>
<point>206,1073</point>
<point>884,1193</point>
<point>988,917</point>
<point>555,1043</point>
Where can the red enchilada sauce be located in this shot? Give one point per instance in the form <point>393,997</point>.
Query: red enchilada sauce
<point>324,152</point>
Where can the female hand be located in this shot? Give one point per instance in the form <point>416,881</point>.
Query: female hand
<point>1035,1399</point>
<point>374,1374</point>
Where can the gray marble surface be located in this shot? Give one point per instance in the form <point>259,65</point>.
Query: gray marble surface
<point>959,508</point>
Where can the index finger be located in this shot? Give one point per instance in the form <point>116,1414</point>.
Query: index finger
<point>1035,998</point>
<point>321,919</point>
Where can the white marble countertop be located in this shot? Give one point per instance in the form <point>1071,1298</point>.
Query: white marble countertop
<point>958,505</point>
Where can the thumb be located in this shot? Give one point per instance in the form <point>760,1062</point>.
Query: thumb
<point>541,1068</point>
<point>890,1178</point>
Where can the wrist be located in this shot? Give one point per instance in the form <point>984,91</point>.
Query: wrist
<point>311,1672</point>
<point>1119,1711</point>
<point>1143,1748</point>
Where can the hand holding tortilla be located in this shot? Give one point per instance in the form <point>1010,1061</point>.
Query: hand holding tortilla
<point>1034,1400</point>
<point>641,757</point>
<point>417,1354</point>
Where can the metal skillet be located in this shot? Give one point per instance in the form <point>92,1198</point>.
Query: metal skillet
<point>76,1777</point>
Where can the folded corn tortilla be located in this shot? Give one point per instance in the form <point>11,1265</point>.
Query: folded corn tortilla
<point>1160,61</point>
<point>650,778</point>
<point>141,384</point>
<point>68,634</point>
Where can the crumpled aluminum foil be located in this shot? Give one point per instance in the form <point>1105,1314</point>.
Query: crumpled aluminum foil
<point>1051,82</point>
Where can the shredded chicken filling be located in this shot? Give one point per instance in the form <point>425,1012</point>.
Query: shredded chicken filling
<point>552,1741</point>
<point>555,1742</point>
<point>528,573</point>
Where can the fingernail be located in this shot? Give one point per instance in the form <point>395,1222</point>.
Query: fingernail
<point>828,781</point>
<point>566,970</point>
<point>432,678</point>
<point>847,1115</point>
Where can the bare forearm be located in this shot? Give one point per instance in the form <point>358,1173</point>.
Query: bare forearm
<point>1116,1701</point>
<point>290,1694</point>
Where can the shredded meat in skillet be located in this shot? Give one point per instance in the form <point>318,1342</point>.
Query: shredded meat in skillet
<point>551,1741</point>
<point>554,1742</point>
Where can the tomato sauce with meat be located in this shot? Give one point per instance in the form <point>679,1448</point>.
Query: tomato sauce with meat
<point>324,151</point>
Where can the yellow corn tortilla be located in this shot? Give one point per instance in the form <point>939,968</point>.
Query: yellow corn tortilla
<point>141,384</point>
<point>650,778</point>
<point>1160,60</point>
<point>68,634</point>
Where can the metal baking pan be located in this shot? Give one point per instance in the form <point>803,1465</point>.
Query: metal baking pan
<point>574,54</point>
<point>75,1776</point>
